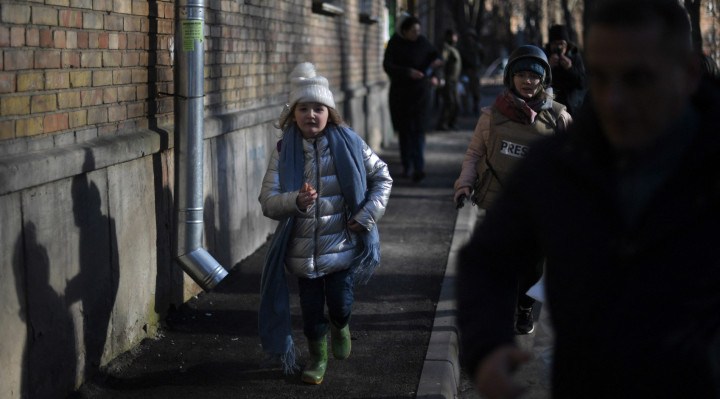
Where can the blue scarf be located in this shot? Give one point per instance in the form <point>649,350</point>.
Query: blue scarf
<point>346,148</point>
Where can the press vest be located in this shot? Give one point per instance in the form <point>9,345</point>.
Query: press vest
<point>508,143</point>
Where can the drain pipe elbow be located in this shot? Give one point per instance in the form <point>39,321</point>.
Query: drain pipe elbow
<point>189,117</point>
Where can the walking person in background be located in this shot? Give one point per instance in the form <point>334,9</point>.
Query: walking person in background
<point>521,114</point>
<point>450,77</point>
<point>328,190</point>
<point>472,54</point>
<point>567,67</point>
<point>409,61</point>
<point>624,208</point>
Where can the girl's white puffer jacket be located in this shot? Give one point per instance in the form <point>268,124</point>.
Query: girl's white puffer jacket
<point>321,242</point>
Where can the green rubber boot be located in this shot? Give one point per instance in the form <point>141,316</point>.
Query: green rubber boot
<point>315,369</point>
<point>340,341</point>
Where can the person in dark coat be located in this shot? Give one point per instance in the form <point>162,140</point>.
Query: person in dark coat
<point>472,55</point>
<point>568,70</point>
<point>409,61</point>
<point>625,208</point>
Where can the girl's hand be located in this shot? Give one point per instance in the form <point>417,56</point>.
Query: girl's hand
<point>306,197</point>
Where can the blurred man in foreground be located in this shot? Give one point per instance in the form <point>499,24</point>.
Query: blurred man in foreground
<point>626,209</point>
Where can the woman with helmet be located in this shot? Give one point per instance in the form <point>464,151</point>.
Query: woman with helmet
<point>522,113</point>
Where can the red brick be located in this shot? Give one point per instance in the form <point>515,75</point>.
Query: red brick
<point>103,40</point>
<point>32,37</point>
<point>47,59</point>
<point>110,95</point>
<point>4,36</point>
<point>7,82</point>
<point>122,41</point>
<point>55,122</point>
<point>59,39</point>
<point>70,18</point>
<point>70,59</point>
<point>91,97</point>
<point>18,59</point>
<point>82,39</point>
<point>46,38</point>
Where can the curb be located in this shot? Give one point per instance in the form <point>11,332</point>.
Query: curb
<point>440,375</point>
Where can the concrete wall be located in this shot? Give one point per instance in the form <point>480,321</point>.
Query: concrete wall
<point>87,163</point>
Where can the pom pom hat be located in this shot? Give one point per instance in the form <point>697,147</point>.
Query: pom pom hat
<point>308,86</point>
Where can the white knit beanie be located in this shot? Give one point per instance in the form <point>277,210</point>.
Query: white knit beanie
<point>308,86</point>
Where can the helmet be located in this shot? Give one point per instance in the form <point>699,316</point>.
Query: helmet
<point>527,51</point>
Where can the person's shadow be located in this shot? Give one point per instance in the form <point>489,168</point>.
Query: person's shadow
<point>49,363</point>
<point>96,285</point>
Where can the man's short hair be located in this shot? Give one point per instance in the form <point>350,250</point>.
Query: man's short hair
<point>672,18</point>
<point>408,23</point>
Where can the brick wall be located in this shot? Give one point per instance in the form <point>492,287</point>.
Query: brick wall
<point>102,67</point>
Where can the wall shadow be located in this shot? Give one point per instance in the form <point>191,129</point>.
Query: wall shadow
<point>169,277</point>
<point>48,362</point>
<point>96,285</point>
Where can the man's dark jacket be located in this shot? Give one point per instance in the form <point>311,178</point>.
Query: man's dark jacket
<point>635,306</point>
<point>409,98</point>
<point>569,84</point>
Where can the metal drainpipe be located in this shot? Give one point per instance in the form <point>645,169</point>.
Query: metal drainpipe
<point>189,117</point>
